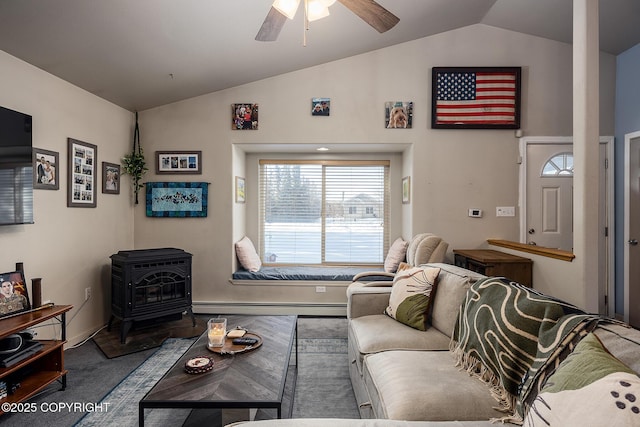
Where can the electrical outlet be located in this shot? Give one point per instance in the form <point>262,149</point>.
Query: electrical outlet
<point>321,289</point>
<point>87,293</point>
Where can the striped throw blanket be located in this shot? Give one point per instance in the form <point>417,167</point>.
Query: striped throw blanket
<point>507,335</point>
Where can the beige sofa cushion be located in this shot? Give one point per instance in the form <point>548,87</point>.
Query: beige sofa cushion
<point>375,333</point>
<point>380,332</point>
<point>424,248</point>
<point>401,389</point>
<point>453,283</point>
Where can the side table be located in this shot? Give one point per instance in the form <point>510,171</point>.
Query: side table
<point>495,263</point>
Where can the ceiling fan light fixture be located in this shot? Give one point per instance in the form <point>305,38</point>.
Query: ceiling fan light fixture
<point>316,9</point>
<point>287,7</point>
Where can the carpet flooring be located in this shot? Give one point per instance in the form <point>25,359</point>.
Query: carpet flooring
<point>323,388</point>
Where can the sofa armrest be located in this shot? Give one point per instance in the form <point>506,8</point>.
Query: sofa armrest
<point>365,298</point>
<point>366,274</point>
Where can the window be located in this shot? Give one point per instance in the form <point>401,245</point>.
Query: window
<point>559,165</point>
<point>323,212</point>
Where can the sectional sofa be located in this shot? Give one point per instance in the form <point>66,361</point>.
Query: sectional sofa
<point>488,350</point>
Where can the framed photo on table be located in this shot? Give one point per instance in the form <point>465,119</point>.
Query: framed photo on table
<point>179,162</point>
<point>475,97</point>
<point>81,187</point>
<point>14,297</point>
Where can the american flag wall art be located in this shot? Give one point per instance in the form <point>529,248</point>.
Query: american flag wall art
<point>476,98</point>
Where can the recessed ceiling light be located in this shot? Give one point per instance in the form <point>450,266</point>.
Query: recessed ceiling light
<point>322,149</point>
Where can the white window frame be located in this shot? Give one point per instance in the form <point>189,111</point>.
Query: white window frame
<point>385,217</point>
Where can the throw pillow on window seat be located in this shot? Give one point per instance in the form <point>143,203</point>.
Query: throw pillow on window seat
<point>247,255</point>
<point>396,255</point>
<point>410,297</point>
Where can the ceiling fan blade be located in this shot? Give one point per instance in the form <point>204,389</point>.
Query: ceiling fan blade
<point>271,26</point>
<point>372,13</point>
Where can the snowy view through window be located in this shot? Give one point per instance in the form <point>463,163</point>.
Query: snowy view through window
<point>315,213</point>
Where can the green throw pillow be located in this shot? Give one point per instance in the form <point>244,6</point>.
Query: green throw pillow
<point>590,388</point>
<point>411,296</point>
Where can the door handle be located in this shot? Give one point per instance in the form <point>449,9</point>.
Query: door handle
<point>531,231</point>
<point>632,242</point>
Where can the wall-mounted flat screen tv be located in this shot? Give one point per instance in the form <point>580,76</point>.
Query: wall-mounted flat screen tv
<point>16,173</point>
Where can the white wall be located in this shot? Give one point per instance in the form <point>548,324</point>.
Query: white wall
<point>450,170</point>
<point>68,248</point>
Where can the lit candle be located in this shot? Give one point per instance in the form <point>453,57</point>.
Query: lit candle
<point>217,330</point>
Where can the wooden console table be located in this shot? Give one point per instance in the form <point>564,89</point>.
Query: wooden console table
<point>45,366</point>
<point>495,263</point>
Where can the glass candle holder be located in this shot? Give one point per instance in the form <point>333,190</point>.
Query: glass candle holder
<point>217,331</point>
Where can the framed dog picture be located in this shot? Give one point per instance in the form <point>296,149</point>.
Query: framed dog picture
<point>14,297</point>
<point>398,115</point>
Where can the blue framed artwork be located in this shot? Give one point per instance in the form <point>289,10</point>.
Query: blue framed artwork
<point>177,199</point>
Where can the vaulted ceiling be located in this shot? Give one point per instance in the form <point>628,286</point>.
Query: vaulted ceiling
<point>144,53</point>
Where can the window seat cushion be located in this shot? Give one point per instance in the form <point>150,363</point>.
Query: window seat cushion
<point>304,273</point>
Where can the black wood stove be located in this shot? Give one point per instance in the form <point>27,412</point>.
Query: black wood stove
<point>150,284</point>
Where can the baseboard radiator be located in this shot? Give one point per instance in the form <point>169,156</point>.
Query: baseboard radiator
<point>270,308</point>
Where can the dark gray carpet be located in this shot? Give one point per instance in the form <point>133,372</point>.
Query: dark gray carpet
<point>323,388</point>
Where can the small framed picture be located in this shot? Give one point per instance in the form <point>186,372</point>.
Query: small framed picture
<point>45,168</point>
<point>244,116</point>
<point>14,297</point>
<point>320,106</point>
<point>240,190</point>
<point>398,115</point>
<point>179,162</point>
<point>110,178</point>
<point>81,181</point>
<point>406,189</point>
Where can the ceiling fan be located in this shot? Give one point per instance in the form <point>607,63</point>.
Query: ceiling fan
<point>368,10</point>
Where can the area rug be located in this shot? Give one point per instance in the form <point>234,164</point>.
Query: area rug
<point>143,338</point>
<point>323,388</point>
<point>120,406</point>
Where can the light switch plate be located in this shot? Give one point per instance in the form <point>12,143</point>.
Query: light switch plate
<point>506,211</point>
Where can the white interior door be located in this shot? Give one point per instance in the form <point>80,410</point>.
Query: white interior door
<point>632,230</point>
<point>549,216</point>
<point>546,201</point>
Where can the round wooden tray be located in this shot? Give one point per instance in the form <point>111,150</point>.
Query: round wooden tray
<point>230,348</point>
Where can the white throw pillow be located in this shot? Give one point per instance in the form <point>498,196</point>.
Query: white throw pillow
<point>247,255</point>
<point>396,255</point>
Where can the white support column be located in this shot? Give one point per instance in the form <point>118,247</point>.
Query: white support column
<point>586,130</point>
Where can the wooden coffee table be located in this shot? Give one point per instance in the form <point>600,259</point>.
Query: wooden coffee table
<point>255,379</point>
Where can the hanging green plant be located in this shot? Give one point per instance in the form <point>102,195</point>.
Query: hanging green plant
<point>133,164</point>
